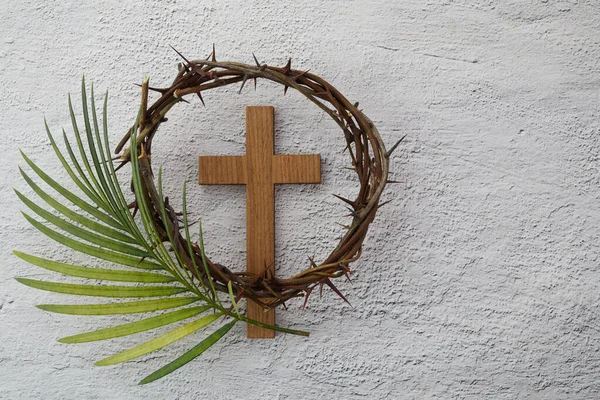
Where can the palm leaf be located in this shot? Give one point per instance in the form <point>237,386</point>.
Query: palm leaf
<point>98,222</point>
<point>82,233</point>
<point>102,291</point>
<point>67,194</point>
<point>161,341</point>
<point>66,165</point>
<point>136,262</point>
<point>127,307</point>
<point>135,327</point>
<point>84,157</point>
<point>77,217</point>
<point>95,273</point>
<point>232,298</point>
<point>189,355</point>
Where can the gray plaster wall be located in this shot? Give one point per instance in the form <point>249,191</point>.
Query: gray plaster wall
<point>479,280</point>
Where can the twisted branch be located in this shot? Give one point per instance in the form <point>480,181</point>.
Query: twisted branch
<point>363,142</point>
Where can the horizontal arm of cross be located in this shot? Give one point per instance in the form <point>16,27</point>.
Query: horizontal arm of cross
<point>296,168</point>
<point>222,170</point>
<point>232,170</point>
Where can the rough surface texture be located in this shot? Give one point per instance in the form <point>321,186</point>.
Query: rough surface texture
<point>479,280</point>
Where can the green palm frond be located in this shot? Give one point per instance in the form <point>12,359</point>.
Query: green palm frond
<point>98,222</point>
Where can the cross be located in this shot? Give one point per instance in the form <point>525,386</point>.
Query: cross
<point>259,170</point>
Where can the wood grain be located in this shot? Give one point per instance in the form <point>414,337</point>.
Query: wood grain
<point>259,170</point>
<point>296,168</point>
<point>260,207</point>
<point>222,170</point>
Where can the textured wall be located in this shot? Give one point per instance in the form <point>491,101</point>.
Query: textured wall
<point>479,280</point>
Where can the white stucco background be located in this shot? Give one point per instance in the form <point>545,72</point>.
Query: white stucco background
<point>479,280</point>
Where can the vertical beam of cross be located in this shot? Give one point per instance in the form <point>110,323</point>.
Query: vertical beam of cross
<point>259,170</point>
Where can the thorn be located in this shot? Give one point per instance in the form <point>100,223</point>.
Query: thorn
<point>306,296</point>
<point>238,296</point>
<point>264,274</point>
<point>349,136</point>
<point>285,89</point>
<point>356,105</point>
<point>347,275</point>
<point>352,203</point>
<point>256,60</point>
<point>154,89</point>
<point>298,75</point>
<point>389,181</point>
<point>180,55</point>
<point>343,226</point>
<point>243,83</point>
<point>390,151</point>
<point>214,54</point>
<point>336,290</point>
<point>227,313</point>
<point>201,99</point>
<point>121,165</point>
<point>288,67</point>
<point>352,214</point>
<point>383,204</point>
<point>260,67</point>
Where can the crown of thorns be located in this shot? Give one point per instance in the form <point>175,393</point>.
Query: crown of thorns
<point>363,143</point>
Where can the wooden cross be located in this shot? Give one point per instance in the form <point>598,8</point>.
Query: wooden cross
<point>260,170</point>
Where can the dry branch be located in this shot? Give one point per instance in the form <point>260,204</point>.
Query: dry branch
<point>366,148</point>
